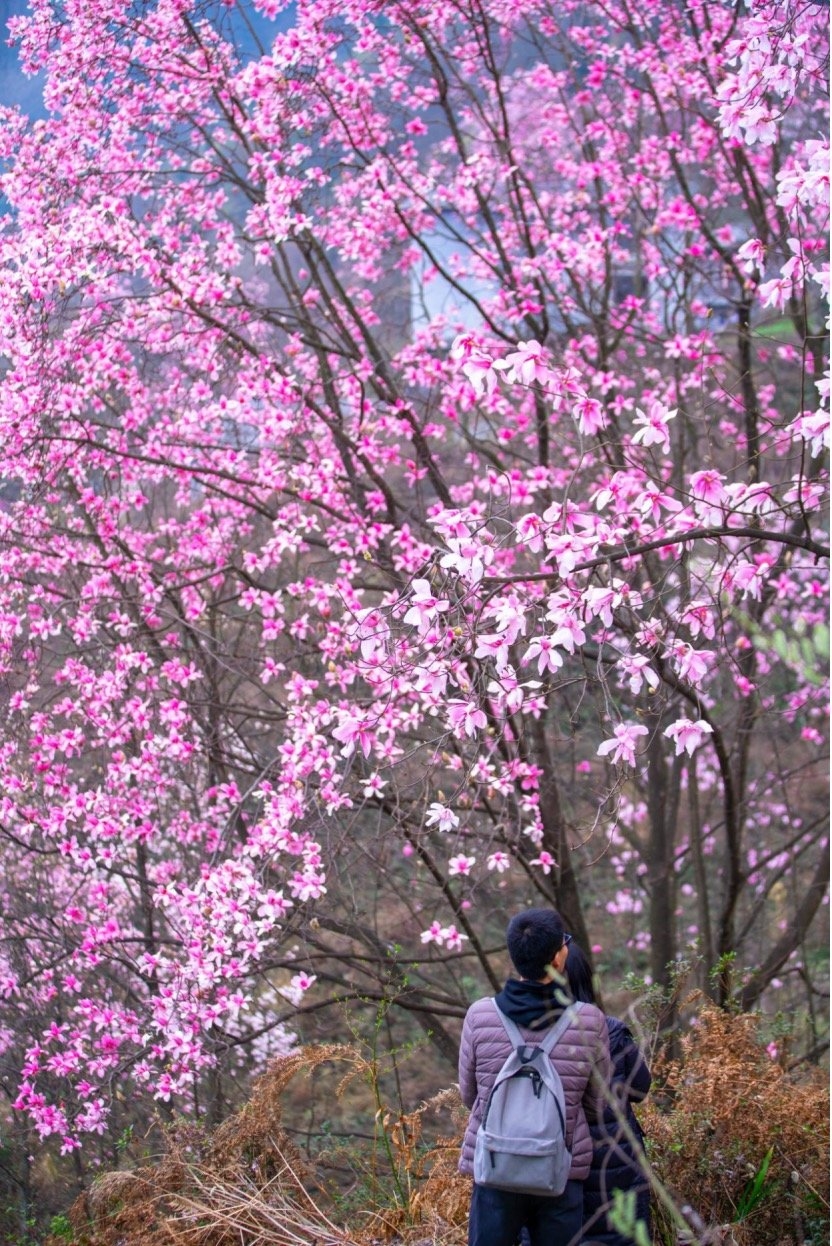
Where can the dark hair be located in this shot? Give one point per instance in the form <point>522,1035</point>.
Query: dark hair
<point>579,974</point>
<point>532,939</point>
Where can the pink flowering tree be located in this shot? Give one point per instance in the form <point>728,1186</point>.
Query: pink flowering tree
<point>414,472</point>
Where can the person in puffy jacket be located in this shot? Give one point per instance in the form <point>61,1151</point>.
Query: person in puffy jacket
<point>537,945</point>
<point>615,1161</point>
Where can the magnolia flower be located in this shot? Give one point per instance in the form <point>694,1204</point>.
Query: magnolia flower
<point>688,735</point>
<point>480,371</point>
<point>468,558</point>
<point>466,716</point>
<point>374,785</point>
<point>707,485</point>
<point>440,816</point>
<point>653,430</point>
<point>433,934</point>
<point>691,664</point>
<point>493,645</point>
<point>748,577</point>
<point>546,861</point>
<point>524,364</point>
<point>453,938</point>
<point>294,991</point>
<point>546,653</point>
<point>447,936</point>
<point>622,744</point>
<point>752,256</point>
<point>424,605</point>
<point>353,730</point>
<point>462,347</point>
<point>812,427</point>
<point>636,671</point>
<point>601,600</point>
<point>589,415</point>
<point>460,865</point>
<point>499,861</point>
<point>528,531</point>
<point>569,634</point>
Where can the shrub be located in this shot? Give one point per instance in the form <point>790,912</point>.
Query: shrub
<point>741,1145</point>
<point>737,1139</point>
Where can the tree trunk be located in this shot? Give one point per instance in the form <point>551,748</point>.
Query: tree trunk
<point>662,806</point>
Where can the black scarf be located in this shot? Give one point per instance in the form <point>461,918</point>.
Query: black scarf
<point>534,1004</point>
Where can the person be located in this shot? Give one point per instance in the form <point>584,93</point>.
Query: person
<point>537,945</point>
<point>615,1160</point>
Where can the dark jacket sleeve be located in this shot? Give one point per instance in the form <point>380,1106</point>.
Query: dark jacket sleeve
<point>631,1069</point>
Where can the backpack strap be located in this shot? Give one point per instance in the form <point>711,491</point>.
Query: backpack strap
<point>561,1026</point>
<point>552,1036</point>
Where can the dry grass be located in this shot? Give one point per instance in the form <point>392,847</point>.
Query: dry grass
<point>714,1115</point>
<point>247,1184</point>
<point>712,1119</point>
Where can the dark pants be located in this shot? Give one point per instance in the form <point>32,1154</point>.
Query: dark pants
<point>497,1216</point>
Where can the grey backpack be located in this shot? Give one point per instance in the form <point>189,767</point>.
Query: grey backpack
<point>521,1142</point>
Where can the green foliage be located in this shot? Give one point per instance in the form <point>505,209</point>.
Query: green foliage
<point>721,973</point>
<point>623,1218</point>
<point>804,650</point>
<point>755,1191</point>
<point>656,1002</point>
<point>61,1228</point>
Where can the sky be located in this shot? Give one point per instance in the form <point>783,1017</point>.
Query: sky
<point>16,88</point>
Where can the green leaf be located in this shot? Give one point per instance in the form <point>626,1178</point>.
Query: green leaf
<point>754,1192</point>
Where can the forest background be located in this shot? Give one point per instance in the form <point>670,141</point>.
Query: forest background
<point>414,507</point>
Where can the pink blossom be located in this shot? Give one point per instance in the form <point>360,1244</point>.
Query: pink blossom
<point>623,743</point>
<point>752,256</point>
<point>687,734</point>
<point>453,938</point>
<point>525,364</point>
<point>544,650</point>
<point>708,485</point>
<point>441,816</point>
<point>499,861</point>
<point>303,981</point>
<point>691,664</point>
<point>468,557</point>
<point>481,372</point>
<point>637,670</point>
<point>654,430</point>
<point>443,936</point>
<point>813,427</point>
<point>262,541</point>
<point>748,577</point>
<point>545,860</point>
<point>466,716</point>
<point>590,416</point>
<point>424,605</point>
<point>373,786</point>
<point>433,934</point>
<point>354,729</point>
<point>493,645</point>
